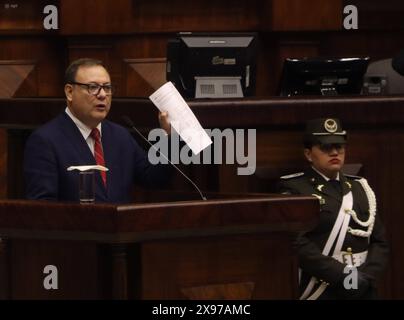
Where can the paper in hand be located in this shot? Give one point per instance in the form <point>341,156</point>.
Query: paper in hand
<point>182,119</point>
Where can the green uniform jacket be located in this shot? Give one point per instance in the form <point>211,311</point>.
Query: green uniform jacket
<point>310,245</point>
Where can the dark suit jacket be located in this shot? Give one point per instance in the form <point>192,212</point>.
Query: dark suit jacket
<point>54,147</point>
<point>311,244</point>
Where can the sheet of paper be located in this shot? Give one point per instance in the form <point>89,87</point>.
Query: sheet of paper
<point>182,119</point>
<point>85,168</point>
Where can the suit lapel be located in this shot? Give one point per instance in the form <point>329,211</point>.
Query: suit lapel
<point>75,138</point>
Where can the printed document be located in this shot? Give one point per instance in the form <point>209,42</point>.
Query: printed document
<point>182,119</point>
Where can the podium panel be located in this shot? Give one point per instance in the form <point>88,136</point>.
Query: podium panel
<point>238,248</point>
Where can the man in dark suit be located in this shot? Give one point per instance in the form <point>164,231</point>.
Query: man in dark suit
<point>82,136</point>
<point>349,232</point>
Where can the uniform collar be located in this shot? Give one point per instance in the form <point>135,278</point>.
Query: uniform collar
<point>324,176</point>
<point>319,183</point>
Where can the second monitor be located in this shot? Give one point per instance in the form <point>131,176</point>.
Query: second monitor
<point>323,76</point>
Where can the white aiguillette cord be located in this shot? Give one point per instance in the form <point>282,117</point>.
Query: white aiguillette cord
<point>87,168</point>
<point>340,228</point>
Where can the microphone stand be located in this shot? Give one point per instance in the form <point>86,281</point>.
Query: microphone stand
<point>129,122</point>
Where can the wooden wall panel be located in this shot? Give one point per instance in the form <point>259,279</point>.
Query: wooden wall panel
<point>3,163</point>
<point>139,16</point>
<point>47,56</point>
<point>91,17</point>
<point>303,15</point>
<point>210,278</point>
<point>142,46</point>
<point>97,48</point>
<point>376,44</point>
<point>23,16</point>
<point>76,262</point>
<point>379,15</point>
<point>279,152</point>
<point>197,15</point>
<point>396,219</point>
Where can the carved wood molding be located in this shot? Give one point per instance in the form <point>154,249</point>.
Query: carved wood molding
<point>143,76</point>
<point>18,78</point>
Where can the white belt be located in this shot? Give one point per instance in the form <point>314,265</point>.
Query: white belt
<point>352,259</point>
<point>349,258</point>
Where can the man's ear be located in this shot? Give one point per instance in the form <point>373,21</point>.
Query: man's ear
<point>307,154</point>
<point>69,92</point>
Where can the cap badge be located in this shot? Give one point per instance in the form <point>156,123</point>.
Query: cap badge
<point>330,125</point>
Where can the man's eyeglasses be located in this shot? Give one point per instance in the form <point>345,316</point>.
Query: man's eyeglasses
<point>327,148</point>
<point>95,88</point>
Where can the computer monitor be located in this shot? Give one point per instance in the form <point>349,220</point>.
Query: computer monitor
<point>323,76</point>
<point>212,65</point>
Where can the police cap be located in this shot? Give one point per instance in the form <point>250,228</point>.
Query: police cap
<point>324,131</point>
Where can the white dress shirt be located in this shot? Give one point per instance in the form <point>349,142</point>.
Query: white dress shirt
<point>85,130</point>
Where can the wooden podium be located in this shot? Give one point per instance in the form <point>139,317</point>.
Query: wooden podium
<point>227,248</point>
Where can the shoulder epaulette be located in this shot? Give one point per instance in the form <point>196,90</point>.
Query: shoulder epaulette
<point>353,177</point>
<point>294,175</point>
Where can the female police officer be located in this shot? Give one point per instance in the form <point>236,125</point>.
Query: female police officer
<point>343,256</point>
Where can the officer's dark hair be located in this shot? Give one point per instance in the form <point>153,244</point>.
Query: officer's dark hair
<point>309,141</point>
<point>71,71</point>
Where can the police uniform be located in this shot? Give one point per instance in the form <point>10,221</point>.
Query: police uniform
<point>325,252</point>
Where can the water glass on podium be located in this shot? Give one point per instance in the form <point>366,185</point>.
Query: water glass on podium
<point>87,187</point>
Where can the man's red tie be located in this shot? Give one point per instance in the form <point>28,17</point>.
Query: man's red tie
<point>98,153</point>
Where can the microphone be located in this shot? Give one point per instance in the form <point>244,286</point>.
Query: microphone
<point>130,124</point>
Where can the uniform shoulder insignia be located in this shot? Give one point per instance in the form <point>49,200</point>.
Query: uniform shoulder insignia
<point>294,175</point>
<point>350,176</point>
